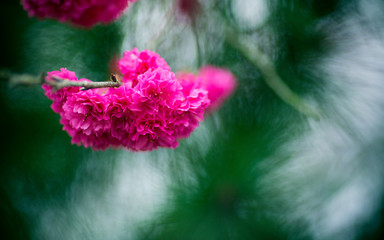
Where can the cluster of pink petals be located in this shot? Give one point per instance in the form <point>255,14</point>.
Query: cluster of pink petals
<point>60,96</point>
<point>219,82</point>
<point>133,63</point>
<point>155,111</point>
<point>84,13</point>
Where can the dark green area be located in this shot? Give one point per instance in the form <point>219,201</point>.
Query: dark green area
<point>38,161</point>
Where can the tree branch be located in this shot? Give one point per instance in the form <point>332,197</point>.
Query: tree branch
<point>20,79</point>
<point>58,83</point>
<point>197,42</point>
<point>266,67</point>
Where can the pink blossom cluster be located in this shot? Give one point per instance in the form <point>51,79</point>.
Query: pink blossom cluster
<point>150,109</point>
<point>133,63</point>
<point>85,13</point>
<point>219,82</point>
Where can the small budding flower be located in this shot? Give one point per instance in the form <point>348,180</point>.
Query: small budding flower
<point>84,13</point>
<point>150,109</point>
<point>220,83</point>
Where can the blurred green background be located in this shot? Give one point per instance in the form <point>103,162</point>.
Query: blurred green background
<point>256,169</point>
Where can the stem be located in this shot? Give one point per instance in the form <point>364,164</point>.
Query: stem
<point>20,79</point>
<point>56,82</point>
<point>266,67</point>
<point>59,83</point>
<point>197,41</point>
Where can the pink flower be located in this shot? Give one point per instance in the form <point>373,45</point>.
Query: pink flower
<point>135,63</point>
<point>219,82</point>
<point>193,89</point>
<point>119,113</point>
<point>84,118</point>
<point>60,96</point>
<point>155,112</point>
<point>163,112</point>
<point>84,13</point>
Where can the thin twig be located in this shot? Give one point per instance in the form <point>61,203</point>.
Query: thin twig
<point>58,83</point>
<point>197,41</point>
<point>20,79</point>
<point>266,67</point>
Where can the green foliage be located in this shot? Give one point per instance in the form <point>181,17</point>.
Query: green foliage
<point>218,183</point>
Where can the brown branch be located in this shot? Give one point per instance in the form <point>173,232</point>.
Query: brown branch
<point>58,83</point>
<point>20,79</point>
